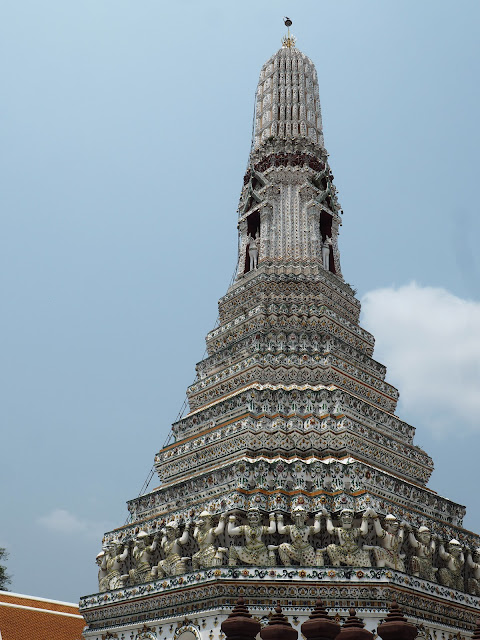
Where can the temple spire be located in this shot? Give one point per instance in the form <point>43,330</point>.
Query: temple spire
<point>289,214</point>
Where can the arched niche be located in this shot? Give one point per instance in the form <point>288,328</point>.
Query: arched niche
<point>147,635</point>
<point>187,632</point>
<point>186,635</point>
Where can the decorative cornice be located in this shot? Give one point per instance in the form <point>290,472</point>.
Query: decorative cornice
<point>370,588</point>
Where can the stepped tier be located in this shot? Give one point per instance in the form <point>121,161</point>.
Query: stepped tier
<point>289,401</point>
<point>283,294</point>
<point>312,430</point>
<point>292,369</point>
<point>301,340</point>
<point>275,485</point>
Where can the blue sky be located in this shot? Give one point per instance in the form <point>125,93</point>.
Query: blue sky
<point>125,129</point>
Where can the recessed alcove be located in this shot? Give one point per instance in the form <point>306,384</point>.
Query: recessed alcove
<point>326,230</point>
<point>253,227</point>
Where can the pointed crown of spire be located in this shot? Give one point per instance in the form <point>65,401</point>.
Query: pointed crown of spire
<point>288,102</point>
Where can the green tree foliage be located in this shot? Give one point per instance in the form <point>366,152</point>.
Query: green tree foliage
<point>4,577</point>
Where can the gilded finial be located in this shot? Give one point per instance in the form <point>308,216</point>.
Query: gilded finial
<point>288,40</point>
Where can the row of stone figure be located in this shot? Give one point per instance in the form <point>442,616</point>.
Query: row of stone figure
<point>349,551</point>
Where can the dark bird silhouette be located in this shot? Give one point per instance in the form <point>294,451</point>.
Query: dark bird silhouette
<point>287,21</point>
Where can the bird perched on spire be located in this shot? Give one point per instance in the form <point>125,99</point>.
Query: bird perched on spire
<point>287,21</point>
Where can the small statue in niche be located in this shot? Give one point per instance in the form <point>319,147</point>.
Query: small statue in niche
<point>141,556</point>
<point>253,244</point>
<point>101,561</point>
<point>391,540</point>
<point>117,553</point>
<point>348,552</point>
<point>299,550</point>
<point>173,564</point>
<point>474,563</point>
<point>451,575</point>
<point>205,534</point>
<point>326,248</point>
<point>422,561</point>
<point>254,552</point>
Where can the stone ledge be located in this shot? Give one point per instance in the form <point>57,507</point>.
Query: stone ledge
<point>276,575</point>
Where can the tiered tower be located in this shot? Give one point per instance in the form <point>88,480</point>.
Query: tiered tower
<point>291,421</point>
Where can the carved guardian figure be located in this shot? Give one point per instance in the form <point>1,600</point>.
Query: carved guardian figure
<point>254,552</point>
<point>348,551</point>
<point>298,551</point>
<point>205,534</point>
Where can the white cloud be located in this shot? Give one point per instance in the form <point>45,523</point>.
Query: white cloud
<point>62,521</point>
<point>430,341</point>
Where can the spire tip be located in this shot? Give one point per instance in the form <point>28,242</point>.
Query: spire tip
<point>288,40</point>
